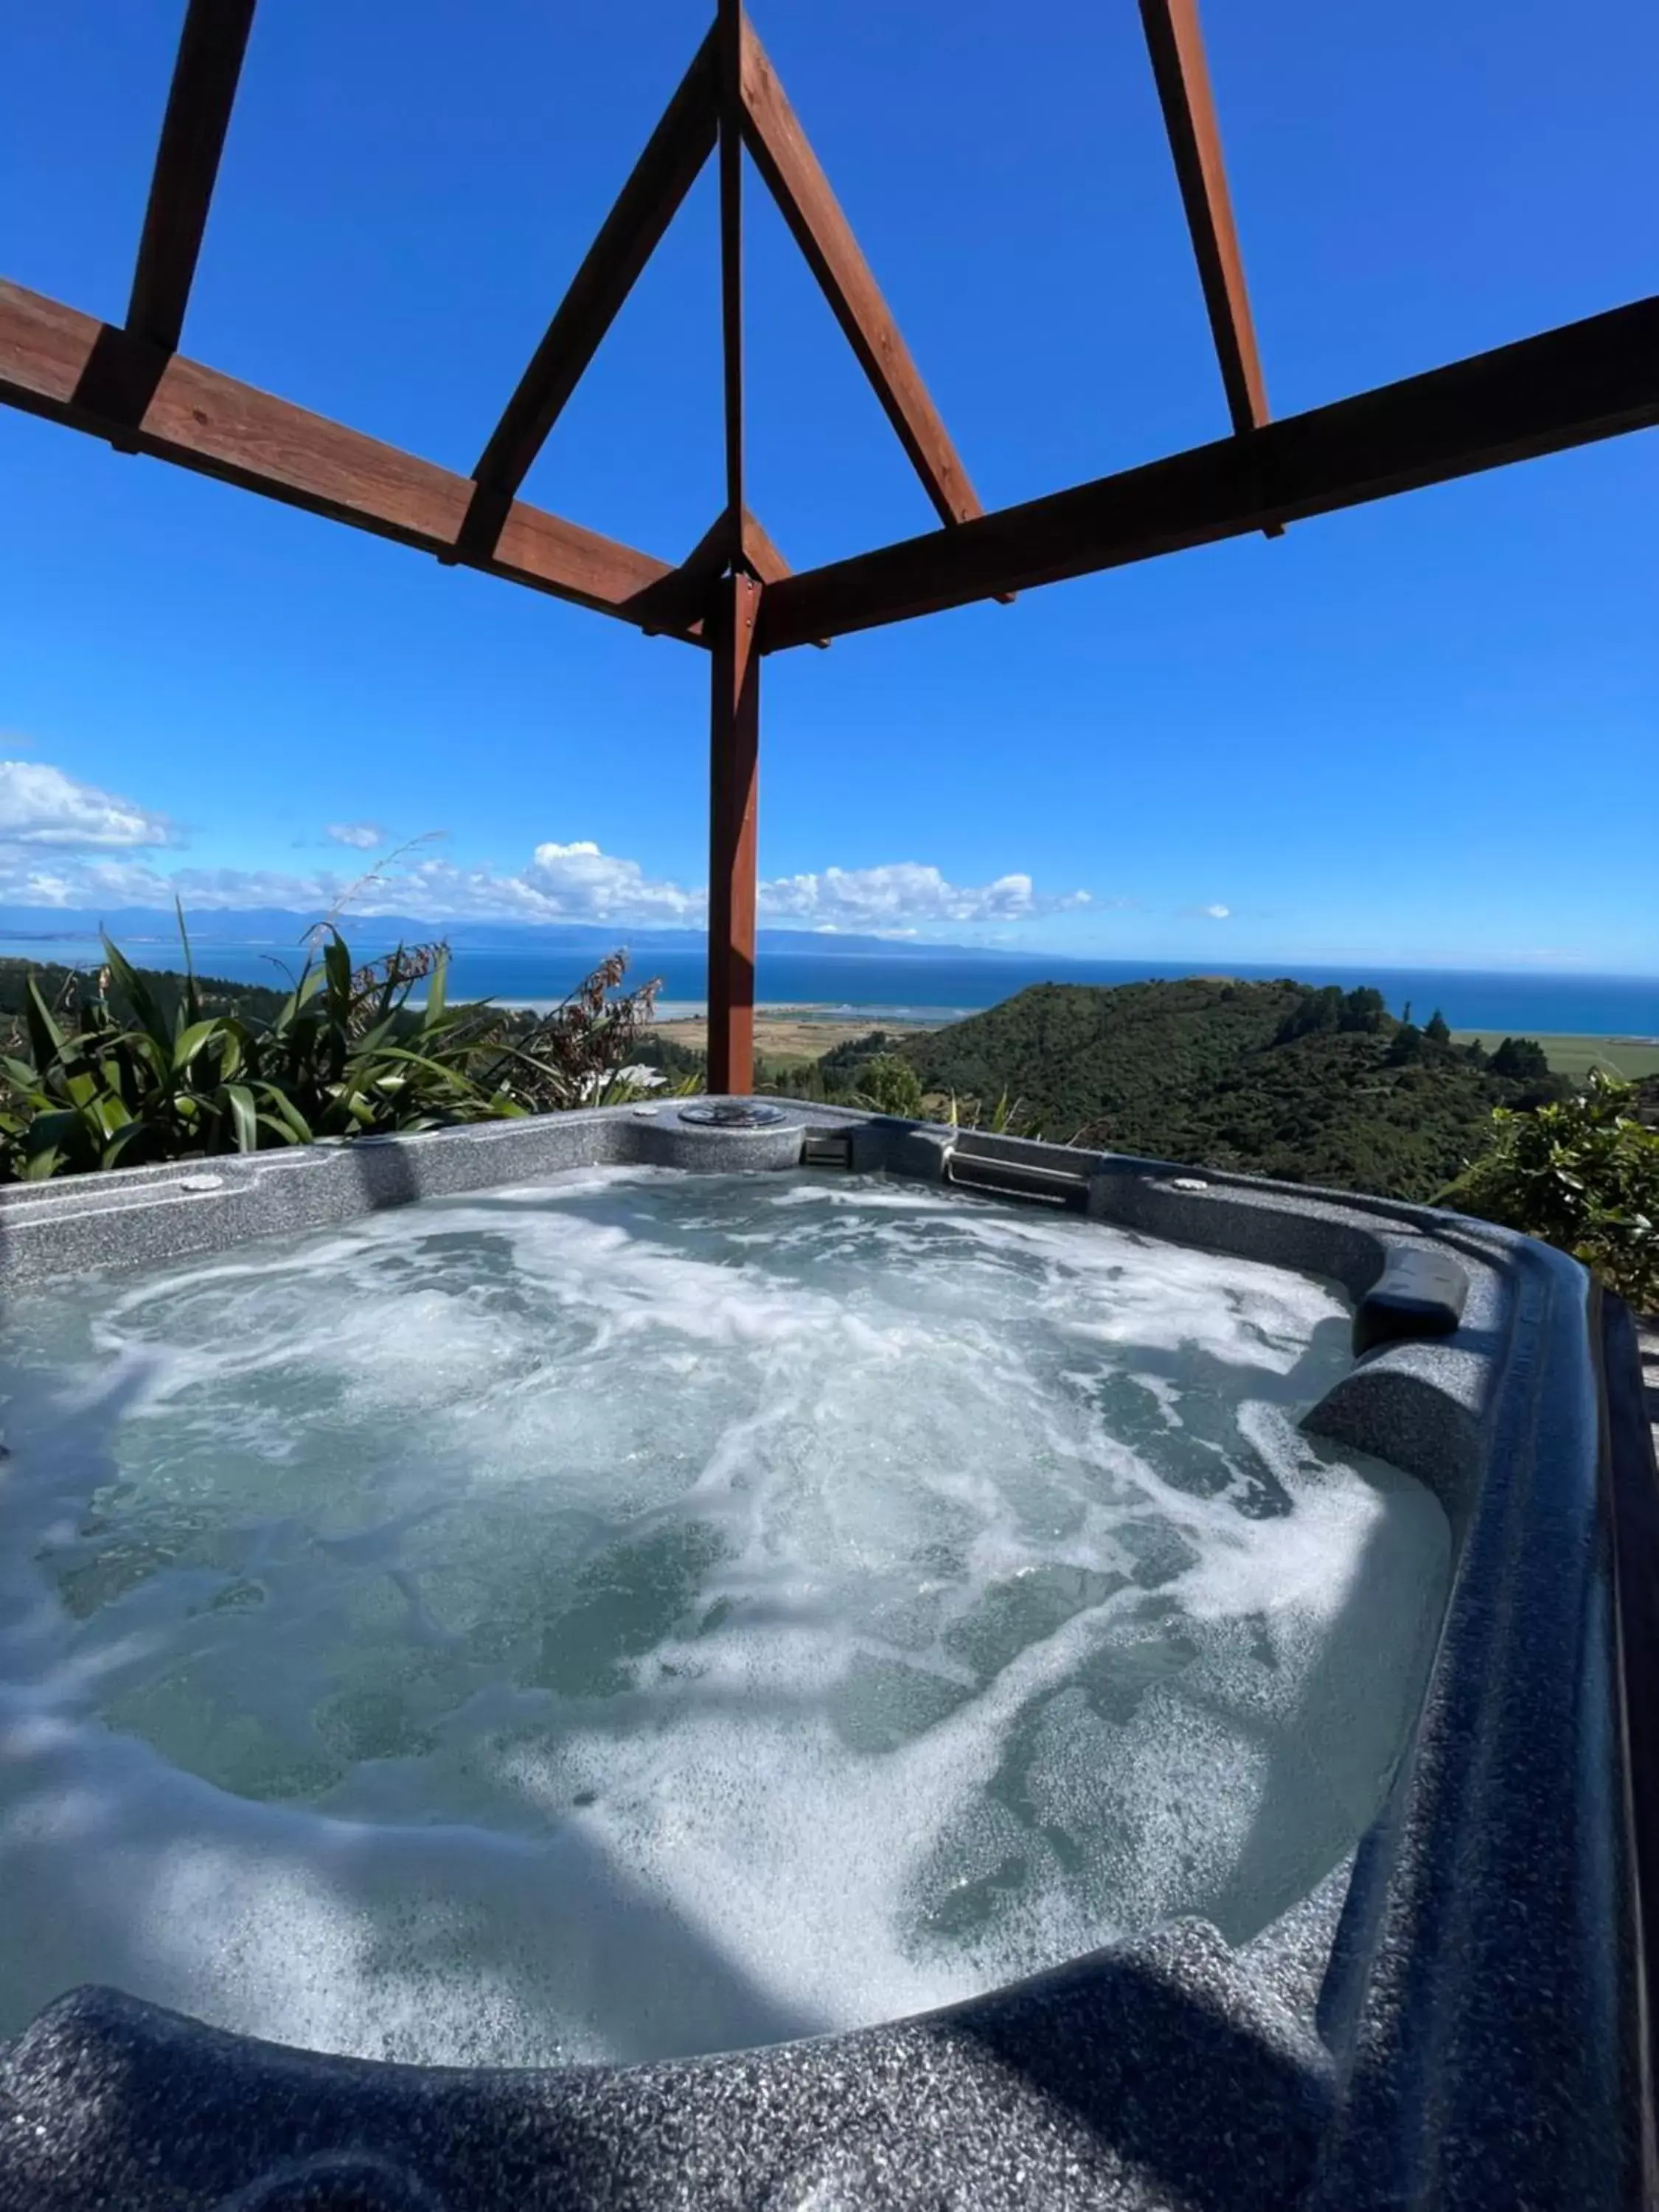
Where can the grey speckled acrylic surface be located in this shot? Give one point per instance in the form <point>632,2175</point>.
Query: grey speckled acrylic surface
<point>1450,2020</point>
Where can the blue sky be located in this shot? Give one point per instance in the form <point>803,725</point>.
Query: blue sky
<point>1423,731</point>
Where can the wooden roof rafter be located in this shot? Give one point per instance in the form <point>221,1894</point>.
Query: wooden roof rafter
<point>122,377</point>
<point>1586,380</point>
<point>657,185</point>
<point>703,116</point>
<point>217,426</point>
<point>785,159</point>
<point>130,386</point>
<point>211,49</point>
<point>1182,77</point>
<point>783,155</point>
<point>729,98</point>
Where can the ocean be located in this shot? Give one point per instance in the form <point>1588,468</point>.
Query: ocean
<point>914,985</point>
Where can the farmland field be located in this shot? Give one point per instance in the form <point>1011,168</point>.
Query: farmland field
<point>1576,1055</point>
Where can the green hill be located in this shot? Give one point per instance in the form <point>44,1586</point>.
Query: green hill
<point>63,986</point>
<point>1273,1078</point>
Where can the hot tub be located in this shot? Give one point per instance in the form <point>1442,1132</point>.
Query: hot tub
<point>802,1659</point>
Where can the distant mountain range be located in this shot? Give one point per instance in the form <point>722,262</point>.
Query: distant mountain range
<point>135,927</point>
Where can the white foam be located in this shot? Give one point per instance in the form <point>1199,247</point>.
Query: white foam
<point>649,1613</point>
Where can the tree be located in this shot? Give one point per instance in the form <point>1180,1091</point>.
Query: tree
<point>1405,1046</point>
<point>1520,1058</point>
<point>1366,1009</point>
<point>1438,1030</point>
<point>1316,1012</point>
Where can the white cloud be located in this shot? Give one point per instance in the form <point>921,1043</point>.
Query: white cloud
<point>576,882</point>
<point>1216,913</point>
<point>41,805</point>
<point>580,882</point>
<point>900,893</point>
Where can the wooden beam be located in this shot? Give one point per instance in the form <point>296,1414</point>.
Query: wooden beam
<point>681,601</point>
<point>733,775</point>
<point>55,363</point>
<point>761,554</point>
<point>648,202</point>
<point>211,50</point>
<point>1176,47</point>
<point>1567,388</point>
<point>801,190</point>
<point>763,560</point>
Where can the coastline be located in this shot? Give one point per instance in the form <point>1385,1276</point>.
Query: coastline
<point>804,1032</point>
<point>834,991</point>
<point>800,1033</point>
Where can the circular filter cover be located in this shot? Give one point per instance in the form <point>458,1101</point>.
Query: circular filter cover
<point>732,1113</point>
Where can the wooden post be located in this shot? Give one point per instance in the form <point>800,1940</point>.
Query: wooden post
<point>730,625</point>
<point>734,765</point>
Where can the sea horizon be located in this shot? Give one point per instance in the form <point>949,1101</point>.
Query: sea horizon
<point>917,987</point>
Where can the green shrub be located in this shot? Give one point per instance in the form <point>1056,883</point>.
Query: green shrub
<point>123,1081</point>
<point>1583,1175</point>
<point>891,1085</point>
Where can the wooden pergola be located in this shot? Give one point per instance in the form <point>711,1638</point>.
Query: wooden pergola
<point>733,595</point>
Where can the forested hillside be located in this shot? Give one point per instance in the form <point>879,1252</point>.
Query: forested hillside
<point>1276,1078</point>
<point>65,986</point>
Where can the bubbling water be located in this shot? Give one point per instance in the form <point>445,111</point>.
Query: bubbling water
<point>645,1614</point>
